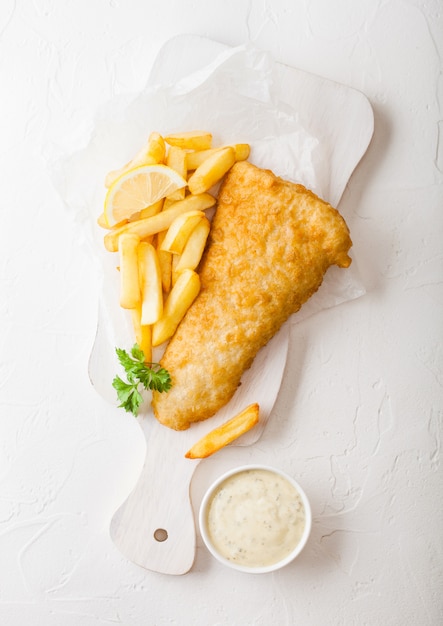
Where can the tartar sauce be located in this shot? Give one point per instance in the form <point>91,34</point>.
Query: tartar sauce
<point>256,518</point>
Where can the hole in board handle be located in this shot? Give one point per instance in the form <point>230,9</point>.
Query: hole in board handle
<point>160,534</point>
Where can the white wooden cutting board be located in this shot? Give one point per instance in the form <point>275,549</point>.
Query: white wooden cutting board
<point>155,526</point>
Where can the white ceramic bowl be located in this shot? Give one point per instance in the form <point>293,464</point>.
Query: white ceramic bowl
<point>235,513</point>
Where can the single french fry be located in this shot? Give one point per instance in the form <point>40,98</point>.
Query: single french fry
<point>194,247</point>
<point>180,298</point>
<point>190,140</point>
<point>174,273</point>
<point>149,211</point>
<point>153,152</point>
<point>211,170</point>
<point>242,151</point>
<point>178,233</point>
<point>156,147</point>
<point>150,284</point>
<point>225,434</point>
<point>168,203</point>
<point>129,276</point>
<point>149,239</point>
<point>165,262</point>
<point>146,342</point>
<point>176,159</point>
<point>142,333</point>
<point>162,221</point>
<point>195,159</point>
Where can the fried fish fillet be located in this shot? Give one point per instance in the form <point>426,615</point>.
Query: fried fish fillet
<point>270,245</point>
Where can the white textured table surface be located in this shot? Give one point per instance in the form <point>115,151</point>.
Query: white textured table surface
<point>358,420</point>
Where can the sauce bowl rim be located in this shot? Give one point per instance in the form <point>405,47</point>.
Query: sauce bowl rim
<point>202,519</point>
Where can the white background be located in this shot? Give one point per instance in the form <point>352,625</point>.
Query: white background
<point>358,420</point>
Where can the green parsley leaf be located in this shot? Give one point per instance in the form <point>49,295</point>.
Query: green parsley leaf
<point>149,375</point>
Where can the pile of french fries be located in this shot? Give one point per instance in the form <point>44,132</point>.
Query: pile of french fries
<point>161,247</point>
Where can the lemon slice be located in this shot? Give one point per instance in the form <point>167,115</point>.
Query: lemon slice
<point>139,188</point>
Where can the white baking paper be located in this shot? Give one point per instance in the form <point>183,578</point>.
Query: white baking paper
<point>236,97</point>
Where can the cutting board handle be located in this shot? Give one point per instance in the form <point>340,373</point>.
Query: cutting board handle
<point>155,526</point>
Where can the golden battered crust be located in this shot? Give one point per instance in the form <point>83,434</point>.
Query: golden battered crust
<point>270,245</point>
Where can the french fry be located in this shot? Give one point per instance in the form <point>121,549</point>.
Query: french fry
<point>178,233</point>
<point>149,211</point>
<point>162,221</point>
<point>156,147</point>
<point>165,261</point>
<point>153,152</point>
<point>129,276</point>
<point>180,298</point>
<point>175,274</point>
<point>176,160</point>
<point>225,434</point>
<point>194,247</point>
<point>211,170</point>
<point>150,283</point>
<point>142,333</point>
<point>168,203</point>
<point>190,140</point>
<point>195,159</point>
<point>242,151</point>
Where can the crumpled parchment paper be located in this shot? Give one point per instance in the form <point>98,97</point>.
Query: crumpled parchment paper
<point>237,97</point>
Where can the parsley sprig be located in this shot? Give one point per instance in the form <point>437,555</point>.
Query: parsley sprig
<point>149,375</point>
